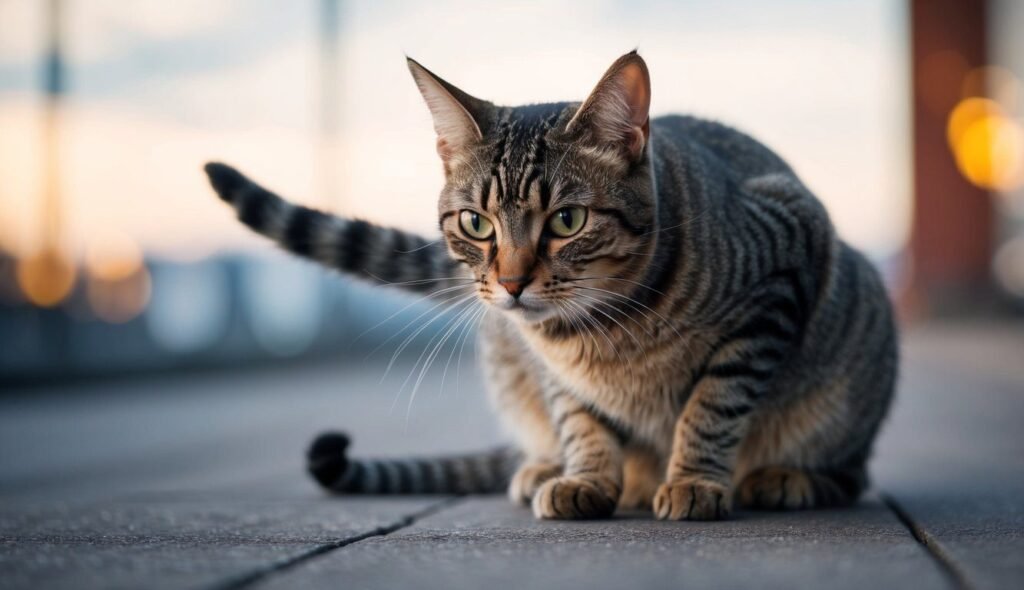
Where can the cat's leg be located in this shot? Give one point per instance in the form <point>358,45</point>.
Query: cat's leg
<point>718,412</point>
<point>788,488</point>
<point>592,481</point>
<point>700,469</point>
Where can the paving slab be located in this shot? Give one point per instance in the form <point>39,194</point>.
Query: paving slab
<point>952,458</point>
<point>179,540</point>
<point>197,481</point>
<point>488,543</point>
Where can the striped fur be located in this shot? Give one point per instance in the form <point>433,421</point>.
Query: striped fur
<point>481,473</point>
<point>704,341</point>
<point>376,254</point>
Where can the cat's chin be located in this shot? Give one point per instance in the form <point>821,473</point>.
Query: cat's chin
<point>528,313</point>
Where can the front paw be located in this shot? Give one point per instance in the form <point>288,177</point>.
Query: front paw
<point>574,497</point>
<point>528,479</point>
<point>692,499</point>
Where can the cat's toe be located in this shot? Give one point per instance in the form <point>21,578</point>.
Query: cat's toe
<point>777,488</point>
<point>692,499</point>
<point>528,479</point>
<point>573,497</point>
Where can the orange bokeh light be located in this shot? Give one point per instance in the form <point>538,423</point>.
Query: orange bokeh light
<point>46,278</point>
<point>990,152</point>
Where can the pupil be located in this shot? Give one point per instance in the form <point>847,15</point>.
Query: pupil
<point>566,217</point>
<point>474,219</point>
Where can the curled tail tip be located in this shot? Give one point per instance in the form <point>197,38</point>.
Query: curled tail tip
<point>224,179</point>
<point>327,459</point>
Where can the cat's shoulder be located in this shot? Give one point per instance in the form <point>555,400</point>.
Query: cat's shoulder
<point>730,147</point>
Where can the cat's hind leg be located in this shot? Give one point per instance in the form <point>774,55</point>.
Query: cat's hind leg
<point>788,488</point>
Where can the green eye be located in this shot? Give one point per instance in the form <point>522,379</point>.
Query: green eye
<point>475,225</point>
<point>568,221</point>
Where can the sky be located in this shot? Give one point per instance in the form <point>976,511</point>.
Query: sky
<point>157,88</point>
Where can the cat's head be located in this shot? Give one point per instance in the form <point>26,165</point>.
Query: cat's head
<point>550,205</point>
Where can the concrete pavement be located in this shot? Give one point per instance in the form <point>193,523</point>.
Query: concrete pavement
<point>196,481</point>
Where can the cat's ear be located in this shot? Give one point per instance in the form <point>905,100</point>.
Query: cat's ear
<point>617,112</point>
<point>457,115</point>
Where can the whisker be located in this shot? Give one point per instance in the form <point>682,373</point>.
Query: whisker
<point>464,324</point>
<point>424,246</point>
<point>653,290</point>
<point>633,302</point>
<point>616,309</point>
<point>470,328</point>
<point>430,342</point>
<point>430,359</point>
<point>417,301</point>
<point>573,318</point>
<point>604,332</point>
<point>462,299</point>
<point>387,283</point>
<point>639,346</point>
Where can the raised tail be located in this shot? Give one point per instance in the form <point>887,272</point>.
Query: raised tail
<point>378,254</point>
<point>488,472</point>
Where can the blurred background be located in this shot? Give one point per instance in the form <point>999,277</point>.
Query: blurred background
<point>905,118</point>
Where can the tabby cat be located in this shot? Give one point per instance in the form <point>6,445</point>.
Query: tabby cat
<point>673,322</point>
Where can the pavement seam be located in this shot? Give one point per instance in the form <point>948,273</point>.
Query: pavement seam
<point>931,545</point>
<point>259,574</point>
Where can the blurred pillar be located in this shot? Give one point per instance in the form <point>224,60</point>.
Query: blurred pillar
<point>953,221</point>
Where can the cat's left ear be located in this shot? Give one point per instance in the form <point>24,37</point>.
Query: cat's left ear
<point>617,112</point>
<point>458,117</point>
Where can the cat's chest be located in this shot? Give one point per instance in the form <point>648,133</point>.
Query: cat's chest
<point>640,387</point>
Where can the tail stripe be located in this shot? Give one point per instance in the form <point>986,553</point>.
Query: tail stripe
<point>407,482</point>
<point>370,252</point>
<point>352,478</point>
<point>486,472</point>
<point>438,474</point>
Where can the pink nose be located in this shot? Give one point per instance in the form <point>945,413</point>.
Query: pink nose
<point>514,285</point>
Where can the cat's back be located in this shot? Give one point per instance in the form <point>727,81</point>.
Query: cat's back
<point>719,145</point>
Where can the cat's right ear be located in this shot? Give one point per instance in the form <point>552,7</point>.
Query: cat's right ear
<point>457,115</point>
<point>617,112</point>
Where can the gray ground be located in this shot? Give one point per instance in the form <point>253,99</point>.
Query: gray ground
<point>196,481</point>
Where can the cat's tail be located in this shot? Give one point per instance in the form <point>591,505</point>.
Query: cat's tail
<point>488,472</point>
<point>371,252</point>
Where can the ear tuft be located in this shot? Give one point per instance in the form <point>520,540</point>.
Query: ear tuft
<point>617,111</point>
<point>452,109</point>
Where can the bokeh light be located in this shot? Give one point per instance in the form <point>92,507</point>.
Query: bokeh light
<point>996,82</point>
<point>991,151</point>
<point>46,278</point>
<point>117,281</point>
<point>987,143</point>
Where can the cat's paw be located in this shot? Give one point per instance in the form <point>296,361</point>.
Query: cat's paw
<point>777,488</point>
<point>692,499</point>
<point>575,497</point>
<point>528,479</point>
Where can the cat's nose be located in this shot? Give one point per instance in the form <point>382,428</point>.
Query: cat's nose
<point>514,285</point>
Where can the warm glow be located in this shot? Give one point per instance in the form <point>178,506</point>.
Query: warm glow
<point>113,257</point>
<point>119,300</point>
<point>996,82</point>
<point>46,278</point>
<point>966,113</point>
<point>990,152</point>
<point>118,283</point>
